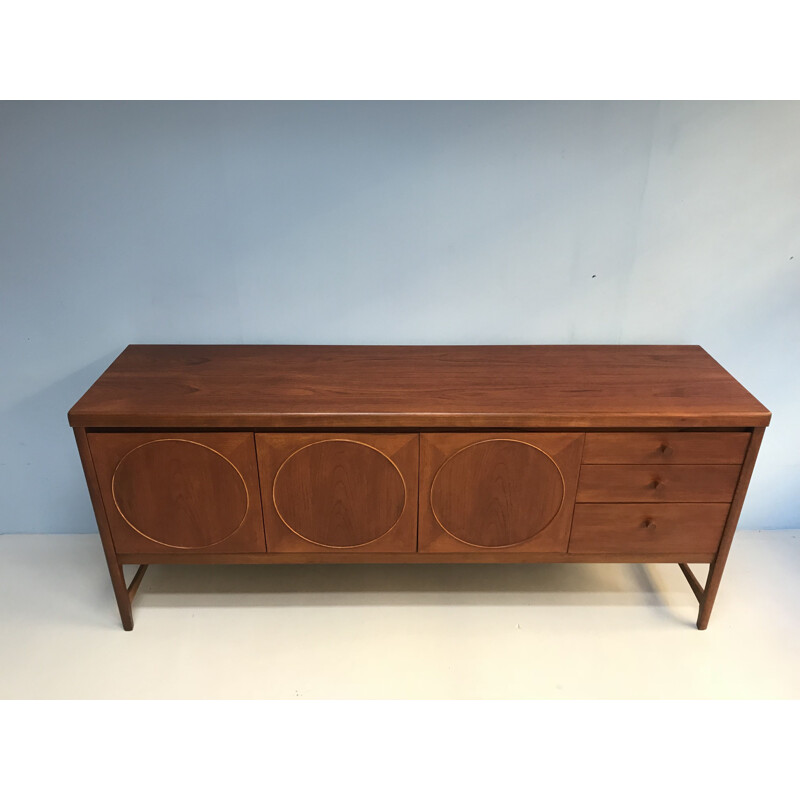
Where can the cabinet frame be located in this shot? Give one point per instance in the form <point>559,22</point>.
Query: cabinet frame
<point>636,404</point>
<point>125,590</point>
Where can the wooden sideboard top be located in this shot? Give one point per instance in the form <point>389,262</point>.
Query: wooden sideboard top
<point>416,387</point>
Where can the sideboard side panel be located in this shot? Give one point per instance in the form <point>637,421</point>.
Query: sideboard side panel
<point>114,566</point>
<point>718,564</point>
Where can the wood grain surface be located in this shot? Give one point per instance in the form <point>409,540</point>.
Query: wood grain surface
<point>497,493</point>
<point>665,447</point>
<point>496,556</point>
<point>325,492</point>
<point>422,387</point>
<point>180,491</point>
<point>635,483</point>
<point>647,527</point>
<point>489,491</point>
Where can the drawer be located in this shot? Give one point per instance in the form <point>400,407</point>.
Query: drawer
<point>638,483</point>
<point>665,448</point>
<point>636,528</point>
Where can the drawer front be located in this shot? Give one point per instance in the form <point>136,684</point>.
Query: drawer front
<point>180,492</point>
<point>665,448</point>
<point>639,483</point>
<point>327,492</point>
<point>639,528</point>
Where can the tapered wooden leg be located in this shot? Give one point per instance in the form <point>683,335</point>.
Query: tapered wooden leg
<point>114,568</point>
<point>708,595</point>
<point>137,580</point>
<point>693,582</point>
<point>710,592</point>
<point>121,593</point>
<point>125,594</point>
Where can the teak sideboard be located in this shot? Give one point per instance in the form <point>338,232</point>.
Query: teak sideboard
<point>276,454</point>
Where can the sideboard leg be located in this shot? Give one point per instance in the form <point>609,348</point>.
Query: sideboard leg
<point>137,579</point>
<point>693,582</point>
<point>125,594</point>
<point>704,597</point>
<point>710,592</point>
<point>718,564</point>
<point>122,595</point>
<point>114,568</point>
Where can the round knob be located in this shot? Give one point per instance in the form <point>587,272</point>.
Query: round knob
<point>655,483</point>
<point>665,450</point>
<point>649,523</point>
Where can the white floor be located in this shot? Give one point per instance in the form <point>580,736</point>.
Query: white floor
<point>424,631</point>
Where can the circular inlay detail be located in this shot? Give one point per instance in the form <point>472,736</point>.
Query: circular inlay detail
<point>497,493</point>
<point>180,493</point>
<point>339,493</point>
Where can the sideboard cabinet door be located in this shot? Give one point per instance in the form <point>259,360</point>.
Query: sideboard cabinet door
<point>497,491</point>
<point>339,492</point>
<point>180,492</point>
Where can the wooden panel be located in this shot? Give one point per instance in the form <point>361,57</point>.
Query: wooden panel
<point>483,493</point>
<point>474,556</point>
<point>634,483</point>
<point>328,491</point>
<point>489,491</point>
<point>317,387</point>
<point>669,447</point>
<point>180,491</point>
<point>647,527</point>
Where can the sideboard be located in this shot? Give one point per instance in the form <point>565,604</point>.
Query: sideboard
<point>275,454</point>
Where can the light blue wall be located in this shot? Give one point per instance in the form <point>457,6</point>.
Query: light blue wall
<point>389,223</point>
